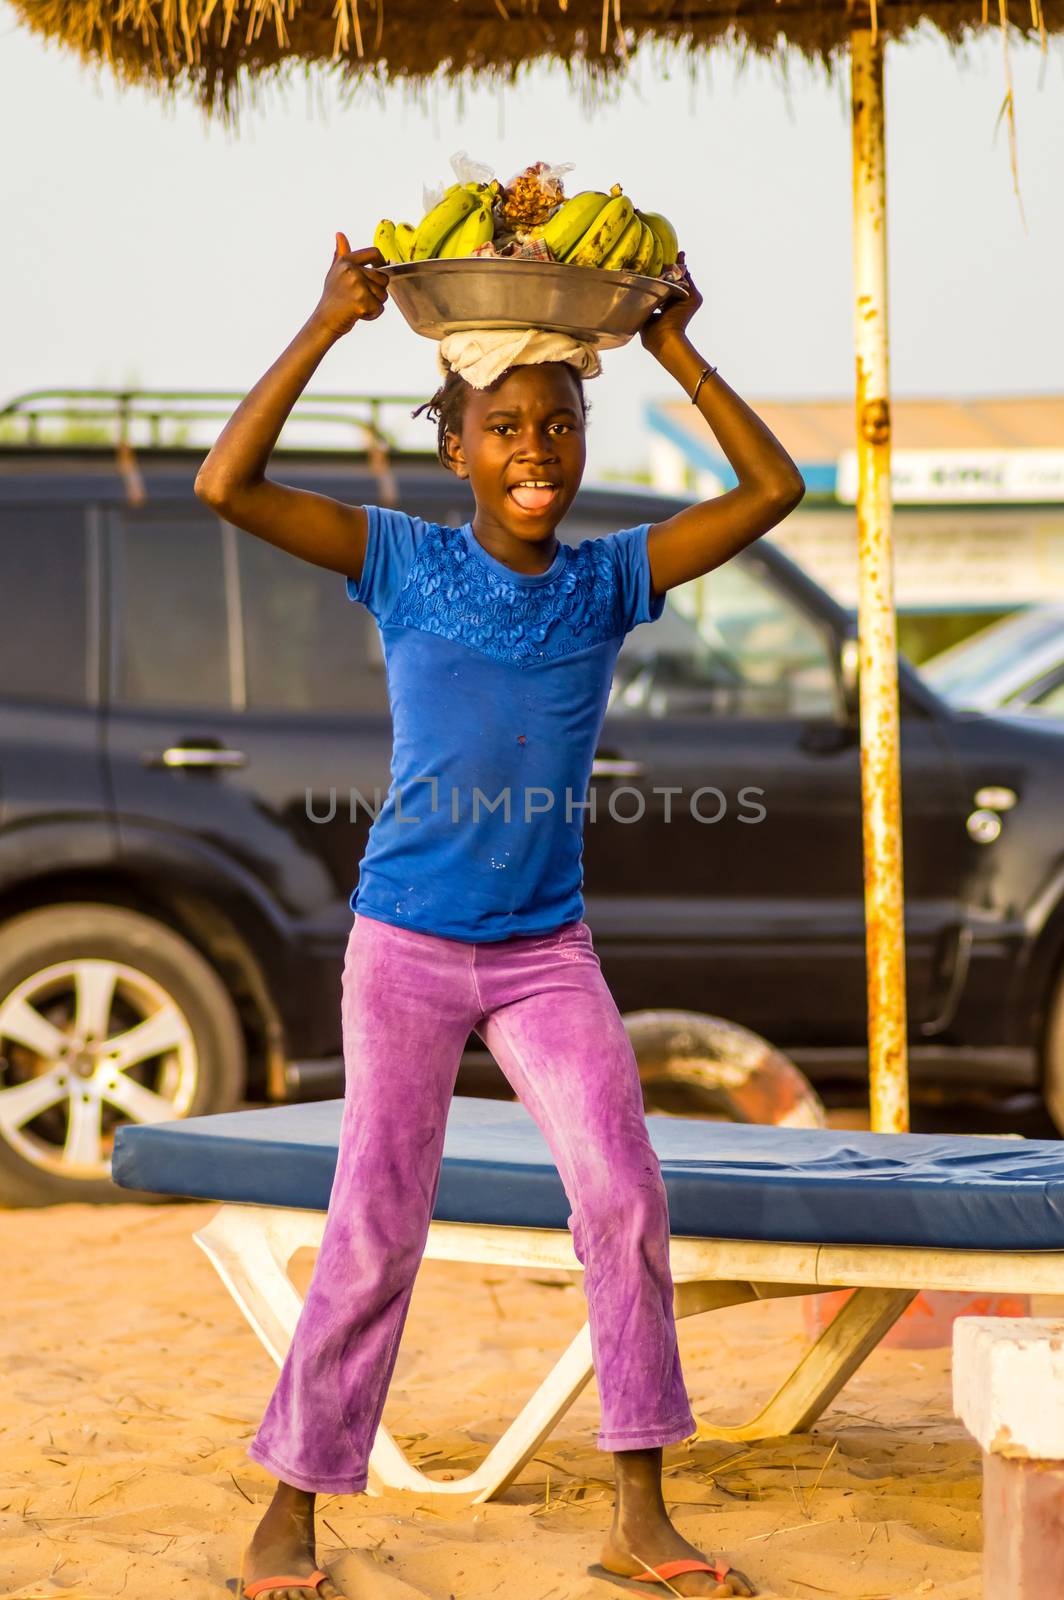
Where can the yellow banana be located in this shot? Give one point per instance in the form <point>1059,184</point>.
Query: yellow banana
<point>405,233</point>
<point>654,270</point>
<point>434,227</point>
<point>384,239</point>
<point>475,230</point>
<point>645,253</point>
<point>625,248</point>
<point>595,245</point>
<point>570,222</point>
<point>487,192</point>
<point>666,234</point>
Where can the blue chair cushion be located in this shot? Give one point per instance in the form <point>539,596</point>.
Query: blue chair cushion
<point>724,1180</point>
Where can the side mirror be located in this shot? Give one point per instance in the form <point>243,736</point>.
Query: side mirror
<point>849,676</point>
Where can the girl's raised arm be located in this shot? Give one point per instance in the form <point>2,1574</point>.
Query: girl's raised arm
<point>705,536</point>
<point>233,478</point>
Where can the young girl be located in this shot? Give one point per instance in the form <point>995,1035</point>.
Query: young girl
<point>500,643</point>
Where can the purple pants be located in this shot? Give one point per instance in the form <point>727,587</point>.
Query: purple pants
<point>541,1005</point>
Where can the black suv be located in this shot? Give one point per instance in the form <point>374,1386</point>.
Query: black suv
<point>193,726</point>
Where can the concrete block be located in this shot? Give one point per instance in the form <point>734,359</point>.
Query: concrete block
<point>1008,1390</point>
<point>1008,1385</point>
<point>1023,1529</point>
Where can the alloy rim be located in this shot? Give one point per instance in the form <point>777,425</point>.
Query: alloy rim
<point>85,1046</point>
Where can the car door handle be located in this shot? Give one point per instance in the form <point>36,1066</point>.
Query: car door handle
<point>613,767</point>
<point>191,755</point>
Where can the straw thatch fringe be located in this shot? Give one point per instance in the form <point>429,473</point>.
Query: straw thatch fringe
<point>1009,107</point>
<point>220,50</point>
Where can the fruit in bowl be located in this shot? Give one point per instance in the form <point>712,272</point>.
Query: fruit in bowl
<point>532,219</point>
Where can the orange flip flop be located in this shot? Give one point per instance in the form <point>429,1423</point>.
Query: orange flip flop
<point>656,1579</point>
<point>264,1585</point>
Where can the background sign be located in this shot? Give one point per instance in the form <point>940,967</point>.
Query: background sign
<point>986,476</point>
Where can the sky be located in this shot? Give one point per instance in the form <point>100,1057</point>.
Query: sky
<point>142,244</point>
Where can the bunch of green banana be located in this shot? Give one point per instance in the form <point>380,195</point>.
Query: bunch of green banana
<point>601,239</point>
<point>665,234</point>
<point>564,230</point>
<point>386,239</point>
<point>459,222</point>
<point>603,230</point>
<point>475,229</point>
<point>443,231</point>
<point>394,240</point>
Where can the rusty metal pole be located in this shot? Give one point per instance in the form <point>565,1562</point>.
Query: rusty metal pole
<point>880,726</point>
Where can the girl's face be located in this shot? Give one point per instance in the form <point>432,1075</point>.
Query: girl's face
<point>522,448</point>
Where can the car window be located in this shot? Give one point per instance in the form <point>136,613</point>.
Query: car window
<point>172,641</point>
<point>43,632</point>
<point>1050,696</point>
<point>996,656</point>
<point>307,647</point>
<point>729,644</point>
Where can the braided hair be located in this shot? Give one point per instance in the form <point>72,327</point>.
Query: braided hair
<point>447,406</point>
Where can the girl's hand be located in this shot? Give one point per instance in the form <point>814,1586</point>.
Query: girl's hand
<point>353,291</point>
<point>669,323</point>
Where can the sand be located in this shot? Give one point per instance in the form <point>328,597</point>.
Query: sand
<point>131,1385</point>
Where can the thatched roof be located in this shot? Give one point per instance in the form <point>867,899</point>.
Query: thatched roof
<point>217,49</point>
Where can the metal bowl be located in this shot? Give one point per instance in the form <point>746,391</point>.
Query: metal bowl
<point>454,296</point>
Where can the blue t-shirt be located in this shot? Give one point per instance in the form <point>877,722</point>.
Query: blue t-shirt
<point>498,683</point>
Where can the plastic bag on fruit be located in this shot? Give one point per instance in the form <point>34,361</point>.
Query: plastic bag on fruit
<point>465,170</point>
<point>533,194</point>
<point>550,176</point>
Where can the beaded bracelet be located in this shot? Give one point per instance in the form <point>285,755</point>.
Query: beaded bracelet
<point>706,373</point>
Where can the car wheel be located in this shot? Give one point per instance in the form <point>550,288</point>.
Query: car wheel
<point>1053,1059</point>
<point>689,1060</point>
<point>106,1017</point>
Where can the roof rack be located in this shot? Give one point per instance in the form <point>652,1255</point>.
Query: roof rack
<point>167,418</point>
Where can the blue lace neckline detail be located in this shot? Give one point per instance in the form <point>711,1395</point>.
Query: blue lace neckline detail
<point>468,596</point>
<point>519,579</point>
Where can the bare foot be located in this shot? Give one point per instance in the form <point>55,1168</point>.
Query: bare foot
<point>283,1545</point>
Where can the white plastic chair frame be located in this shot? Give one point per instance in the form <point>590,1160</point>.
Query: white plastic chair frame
<point>251,1248</point>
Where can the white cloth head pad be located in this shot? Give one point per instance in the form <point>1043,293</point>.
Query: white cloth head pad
<point>482,355</point>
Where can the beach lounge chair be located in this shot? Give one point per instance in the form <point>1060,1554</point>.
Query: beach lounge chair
<point>756,1212</point>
